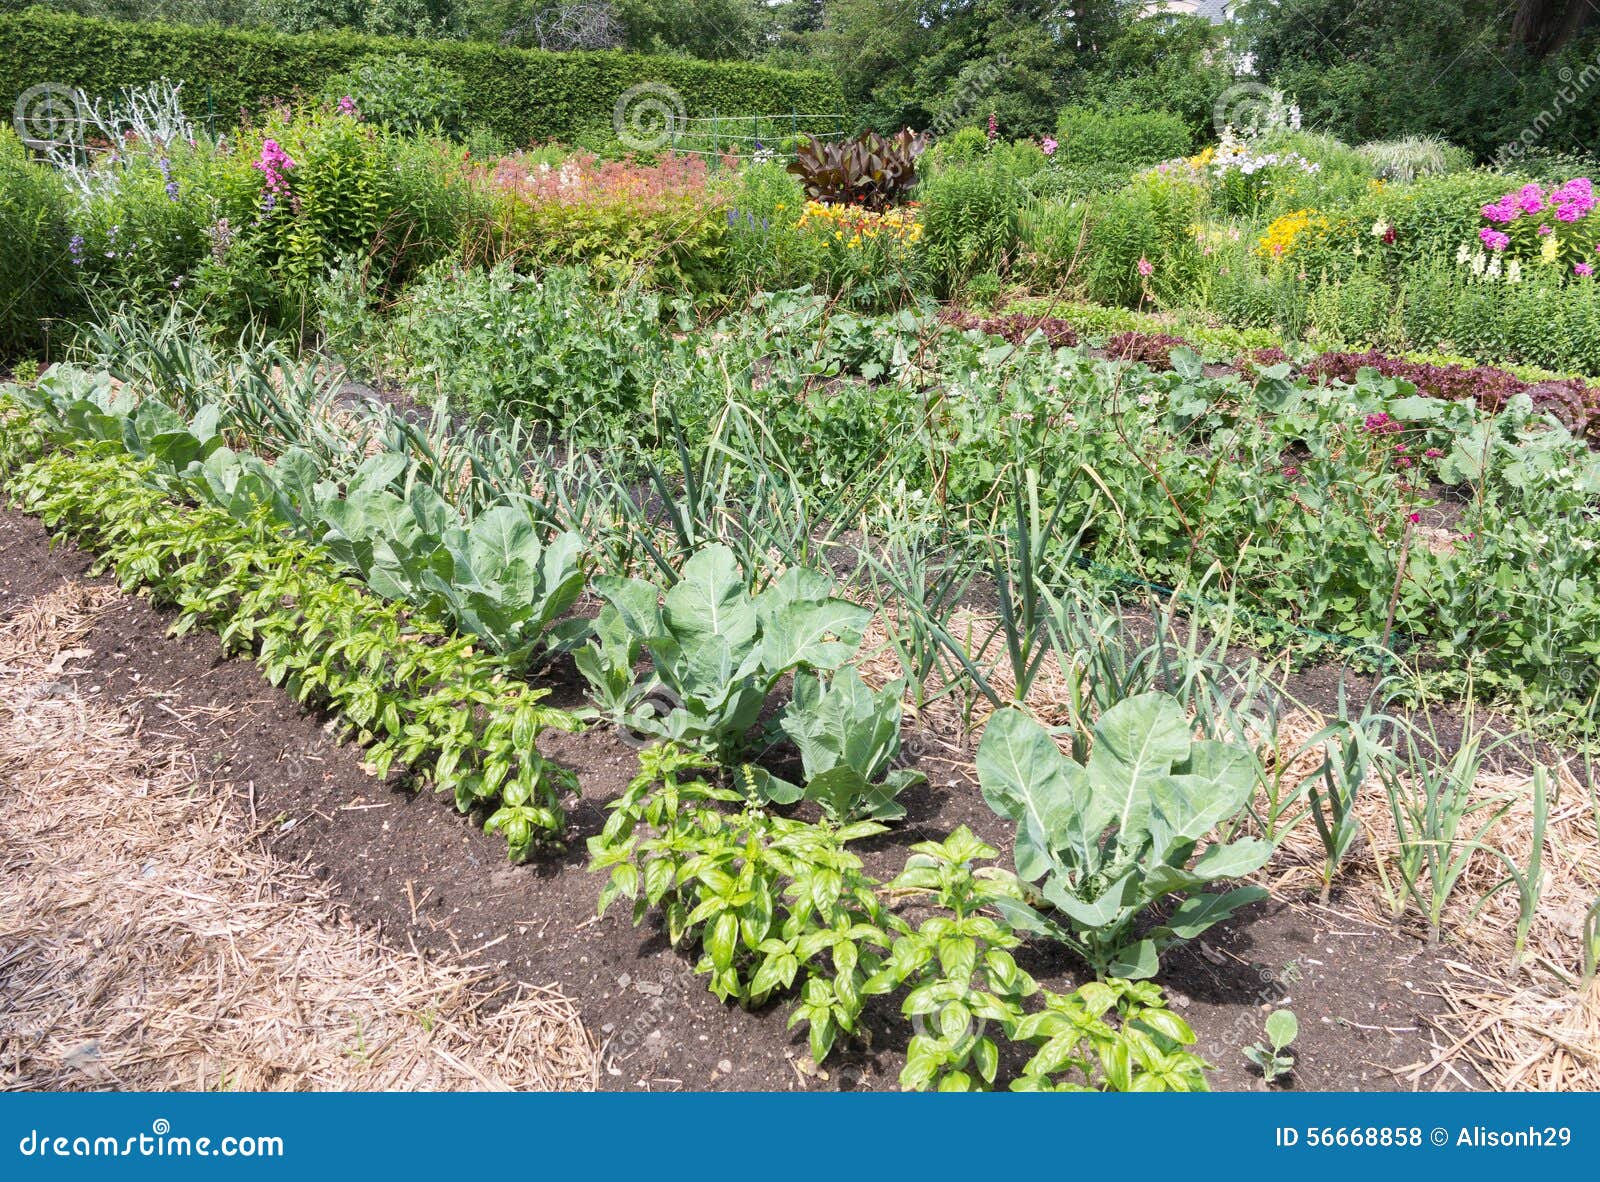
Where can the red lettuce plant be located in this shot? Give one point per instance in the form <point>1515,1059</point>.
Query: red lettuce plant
<point>1152,348</point>
<point>1574,404</point>
<point>1015,328</point>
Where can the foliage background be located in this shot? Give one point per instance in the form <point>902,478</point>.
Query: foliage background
<point>518,95</point>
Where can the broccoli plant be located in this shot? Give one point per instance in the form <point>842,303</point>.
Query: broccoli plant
<point>716,650</point>
<point>847,736</point>
<point>1107,840</point>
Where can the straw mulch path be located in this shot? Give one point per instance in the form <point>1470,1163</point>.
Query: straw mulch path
<point>148,943</point>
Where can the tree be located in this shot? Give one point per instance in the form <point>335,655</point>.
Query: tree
<point>1544,27</point>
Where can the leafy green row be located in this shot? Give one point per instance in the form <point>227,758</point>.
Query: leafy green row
<point>486,572</point>
<point>416,694</point>
<point>773,903</point>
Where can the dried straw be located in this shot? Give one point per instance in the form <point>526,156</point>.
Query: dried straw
<point>147,942</point>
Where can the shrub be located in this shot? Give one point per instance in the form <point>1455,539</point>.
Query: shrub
<point>306,190</point>
<point>1340,176</point>
<point>1051,234</point>
<point>1145,224</point>
<point>519,95</point>
<point>1354,309</point>
<point>408,94</point>
<point>1414,156</point>
<point>867,259</point>
<point>144,217</point>
<point>1130,138</point>
<point>1553,228</point>
<point>962,146</point>
<point>35,266</point>
<point>1433,215</point>
<point>766,248</point>
<point>658,222</point>
<point>969,218</point>
<point>1538,321</point>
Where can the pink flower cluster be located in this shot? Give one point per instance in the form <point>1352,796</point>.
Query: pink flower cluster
<point>273,164</point>
<point>1571,200</point>
<point>1380,424</point>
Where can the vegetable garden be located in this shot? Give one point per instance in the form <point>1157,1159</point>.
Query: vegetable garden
<point>964,602</point>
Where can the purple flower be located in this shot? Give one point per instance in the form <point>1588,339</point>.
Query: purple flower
<point>274,162</point>
<point>75,249</point>
<point>1494,239</point>
<point>1583,269</point>
<point>347,105</point>
<point>1146,267</point>
<point>1048,146</point>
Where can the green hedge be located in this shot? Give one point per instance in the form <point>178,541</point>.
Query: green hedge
<point>519,95</point>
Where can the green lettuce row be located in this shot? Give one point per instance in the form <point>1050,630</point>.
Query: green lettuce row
<point>413,692</point>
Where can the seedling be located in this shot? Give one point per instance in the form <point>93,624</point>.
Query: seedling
<point>1282,1029</point>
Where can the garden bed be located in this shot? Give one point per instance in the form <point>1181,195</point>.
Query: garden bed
<point>429,879</point>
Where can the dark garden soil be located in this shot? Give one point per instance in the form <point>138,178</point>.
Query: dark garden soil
<point>408,864</point>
